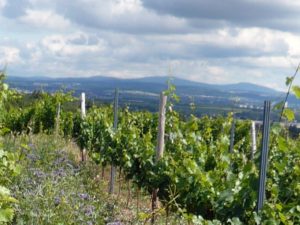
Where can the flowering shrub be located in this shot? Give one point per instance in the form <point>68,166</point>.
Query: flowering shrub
<point>54,188</point>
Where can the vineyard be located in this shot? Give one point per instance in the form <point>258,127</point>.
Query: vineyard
<point>198,170</point>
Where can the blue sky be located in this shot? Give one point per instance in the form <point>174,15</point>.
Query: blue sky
<point>209,41</point>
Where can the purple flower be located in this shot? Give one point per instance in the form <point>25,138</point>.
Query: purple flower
<point>89,210</point>
<point>38,173</point>
<point>115,223</point>
<point>84,196</point>
<point>31,145</point>
<point>60,173</point>
<point>60,160</point>
<point>32,157</point>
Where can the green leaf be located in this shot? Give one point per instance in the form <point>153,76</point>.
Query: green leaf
<point>296,90</point>
<point>4,191</point>
<point>235,221</point>
<point>282,218</point>
<point>5,87</point>
<point>6,215</point>
<point>282,144</point>
<point>289,114</point>
<point>279,207</point>
<point>257,218</point>
<point>278,106</point>
<point>288,81</point>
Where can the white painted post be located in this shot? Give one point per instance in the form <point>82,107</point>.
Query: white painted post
<point>232,131</point>
<point>57,120</point>
<point>253,139</point>
<point>160,146</point>
<point>83,115</point>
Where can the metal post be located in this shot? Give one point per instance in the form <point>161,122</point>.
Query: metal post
<point>264,156</point>
<point>113,168</point>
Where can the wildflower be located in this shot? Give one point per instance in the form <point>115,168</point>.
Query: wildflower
<point>89,210</point>
<point>38,173</point>
<point>115,223</point>
<point>84,196</point>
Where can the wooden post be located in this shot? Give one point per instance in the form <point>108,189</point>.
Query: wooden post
<point>253,139</point>
<point>113,169</point>
<point>112,179</point>
<point>83,115</point>
<point>264,156</point>
<point>137,201</point>
<point>57,120</point>
<point>161,127</point>
<point>232,136</point>
<point>128,193</point>
<point>160,146</point>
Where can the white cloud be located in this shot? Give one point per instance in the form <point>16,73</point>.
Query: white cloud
<point>9,55</point>
<point>45,19</point>
<point>2,4</point>
<point>72,45</point>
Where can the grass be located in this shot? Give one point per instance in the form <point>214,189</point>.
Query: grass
<point>56,188</point>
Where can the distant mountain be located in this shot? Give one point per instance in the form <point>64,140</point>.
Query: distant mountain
<point>238,87</point>
<point>143,92</point>
<point>248,87</point>
<point>99,84</point>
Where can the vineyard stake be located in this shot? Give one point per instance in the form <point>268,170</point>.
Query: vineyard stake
<point>253,139</point>
<point>160,145</point>
<point>161,127</point>
<point>232,135</point>
<point>120,182</point>
<point>264,156</point>
<point>113,168</point>
<point>57,119</point>
<point>83,115</point>
<point>137,201</point>
<point>128,194</point>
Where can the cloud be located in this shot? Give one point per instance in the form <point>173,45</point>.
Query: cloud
<point>15,8</point>
<point>9,55</point>
<point>44,19</point>
<point>127,16</point>
<point>2,4</point>
<point>257,13</point>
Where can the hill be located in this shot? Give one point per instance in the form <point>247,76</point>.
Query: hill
<point>142,92</point>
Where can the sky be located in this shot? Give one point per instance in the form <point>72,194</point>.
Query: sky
<point>211,41</point>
